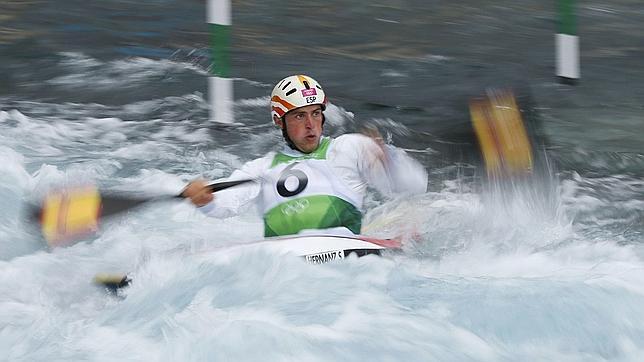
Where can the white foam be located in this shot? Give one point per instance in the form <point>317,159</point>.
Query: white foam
<point>484,274</point>
<point>117,73</point>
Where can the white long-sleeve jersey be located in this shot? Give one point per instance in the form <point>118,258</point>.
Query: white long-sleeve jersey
<point>294,188</point>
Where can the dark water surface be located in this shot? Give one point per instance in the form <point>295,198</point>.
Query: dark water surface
<point>421,60</point>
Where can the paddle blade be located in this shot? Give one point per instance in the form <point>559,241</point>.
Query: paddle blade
<point>502,135</point>
<point>70,214</point>
<point>112,282</point>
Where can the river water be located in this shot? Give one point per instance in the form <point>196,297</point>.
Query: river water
<point>114,92</point>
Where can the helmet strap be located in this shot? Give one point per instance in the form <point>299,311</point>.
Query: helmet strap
<point>288,140</point>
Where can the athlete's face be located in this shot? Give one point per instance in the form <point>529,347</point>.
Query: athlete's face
<point>304,127</point>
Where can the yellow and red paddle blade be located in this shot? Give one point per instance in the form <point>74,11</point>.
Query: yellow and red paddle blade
<point>70,214</point>
<point>502,135</point>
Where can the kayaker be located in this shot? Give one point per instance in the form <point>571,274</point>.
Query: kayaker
<point>315,183</point>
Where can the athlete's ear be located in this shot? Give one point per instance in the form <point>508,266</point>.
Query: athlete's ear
<point>278,121</point>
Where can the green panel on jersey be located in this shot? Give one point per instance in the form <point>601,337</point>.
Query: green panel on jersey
<point>311,212</point>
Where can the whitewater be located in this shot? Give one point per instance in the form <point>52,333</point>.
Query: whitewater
<point>544,269</point>
<point>488,275</point>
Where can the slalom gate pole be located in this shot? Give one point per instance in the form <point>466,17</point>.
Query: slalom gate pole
<point>220,86</point>
<point>567,44</point>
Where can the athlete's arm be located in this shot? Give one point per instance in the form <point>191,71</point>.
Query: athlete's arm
<point>385,167</point>
<point>233,201</point>
<point>406,174</point>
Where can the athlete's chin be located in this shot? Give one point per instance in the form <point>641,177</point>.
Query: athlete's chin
<point>309,144</point>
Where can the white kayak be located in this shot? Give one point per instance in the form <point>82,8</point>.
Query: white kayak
<point>316,249</point>
<point>319,249</point>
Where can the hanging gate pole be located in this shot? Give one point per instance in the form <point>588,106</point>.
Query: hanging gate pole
<point>567,44</point>
<point>220,86</point>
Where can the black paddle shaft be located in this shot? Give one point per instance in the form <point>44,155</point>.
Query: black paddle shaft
<point>218,186</point>
<point>115,204</point>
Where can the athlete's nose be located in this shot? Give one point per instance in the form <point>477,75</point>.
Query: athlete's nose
<point>308,122</point>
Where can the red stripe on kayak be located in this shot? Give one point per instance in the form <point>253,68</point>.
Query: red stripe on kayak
<point>387,243</point>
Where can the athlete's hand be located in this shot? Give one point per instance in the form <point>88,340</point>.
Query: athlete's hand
<point>198,193</point>
<point>373,133</point>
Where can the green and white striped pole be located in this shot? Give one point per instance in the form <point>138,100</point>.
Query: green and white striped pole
<point>567,44</point>
<point>220,86</point>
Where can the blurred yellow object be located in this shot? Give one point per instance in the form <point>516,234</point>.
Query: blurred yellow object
<point>502,134</point>
<point>69,214</point>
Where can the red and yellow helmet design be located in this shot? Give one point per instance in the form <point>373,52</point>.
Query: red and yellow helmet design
<point>294,92</point>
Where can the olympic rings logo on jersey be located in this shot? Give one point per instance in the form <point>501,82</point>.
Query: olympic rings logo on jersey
<point>295,207</point>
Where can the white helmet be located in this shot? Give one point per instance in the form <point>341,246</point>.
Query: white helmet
<point>294,92</point>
